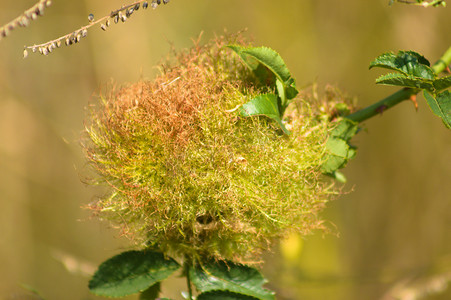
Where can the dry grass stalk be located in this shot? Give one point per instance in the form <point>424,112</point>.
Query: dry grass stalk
<point>24,19</point>
<point>121,14</point>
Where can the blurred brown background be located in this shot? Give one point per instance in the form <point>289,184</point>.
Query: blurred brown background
<point>394,227</point>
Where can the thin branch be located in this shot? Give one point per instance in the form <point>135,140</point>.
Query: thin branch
<point>424,3</point>
<point>121,14</point>
<point>24,19</point>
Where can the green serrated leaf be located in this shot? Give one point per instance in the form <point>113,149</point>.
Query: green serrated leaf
<point>339,152</point>
<point>255,57</point>
<point>264,105</point>
<point>442,83</point>
<point>338,155</point>
<point>405,81</point>
<point>406,62</point>
<point>440,106</point>
<point>223,295</point>
<point>231,277</point>
<point>345,129</point>
<point>131,272</point>
<point>263,74</point>
<point>151,293</point>
<point>267,57</point>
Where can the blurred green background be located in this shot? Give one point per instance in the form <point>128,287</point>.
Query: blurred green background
<point>394,222</point>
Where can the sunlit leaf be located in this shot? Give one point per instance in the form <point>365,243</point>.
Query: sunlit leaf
<point>131,272</point>
<point>442,83</point>
<point>231,277</point>
<point>406,62</point>
<point>223,295</point>
<point>264,105</point>
<point>265,56</point>
<point>151,293</point>
<point>405,81</point>
<point>339,151</point>
<point>441,106</point>
<point>256,57</point>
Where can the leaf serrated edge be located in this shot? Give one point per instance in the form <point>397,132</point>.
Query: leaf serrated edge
<point>269,295</point>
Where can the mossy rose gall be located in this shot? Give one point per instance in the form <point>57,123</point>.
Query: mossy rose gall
<point>191,178</point>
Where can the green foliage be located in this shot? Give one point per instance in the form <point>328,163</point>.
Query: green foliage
<point>406,62</point>
<point>230,277</point>
<point>441,106</point>
<point>151,293</point>
<point>270,69</point>
<point>339,149</point>
<point>223,295</point>
<point>266,105</point>
<point>414,72</point>
<point>132,272</point>
<point>405,81</point>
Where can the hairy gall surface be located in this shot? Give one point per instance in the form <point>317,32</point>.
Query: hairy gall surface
<point>189,177</point>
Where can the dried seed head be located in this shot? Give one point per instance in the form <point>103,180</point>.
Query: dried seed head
<point>129,12</point>
<point>24,21</point>
<point>145,4</point>
<point>165,1</point>
<point>137,6</point>
<point>48,3</point>
<point>123,18</point>
<point>103,27</point>
<point>34,16</point>
<point>34,49</point>
<point>53,45</point>
<point>58,43</point>
<point>116,19</point>
<point>107,23</point>
<point>49,48</point>
<point>67,41</point>
<point>40,9</point>
<point>25,53</point>
<point>4,32</point>
<point>84,32</point>
<point>78,38</point>
<point>154,4</point>
<point>90,17</point>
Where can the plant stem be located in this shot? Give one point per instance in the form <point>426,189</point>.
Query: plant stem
<point>382,105</point>
<point>399,96</point>
<point>443,62</point>
<point>188,279</point>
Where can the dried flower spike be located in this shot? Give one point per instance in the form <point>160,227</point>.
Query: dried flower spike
<point>122,14</point>
<point>24,19</point>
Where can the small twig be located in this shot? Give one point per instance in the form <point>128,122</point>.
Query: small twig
<point>423,3</point>
<point>121,14</point>
<point>24,19</point>
<point>186,267</point>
